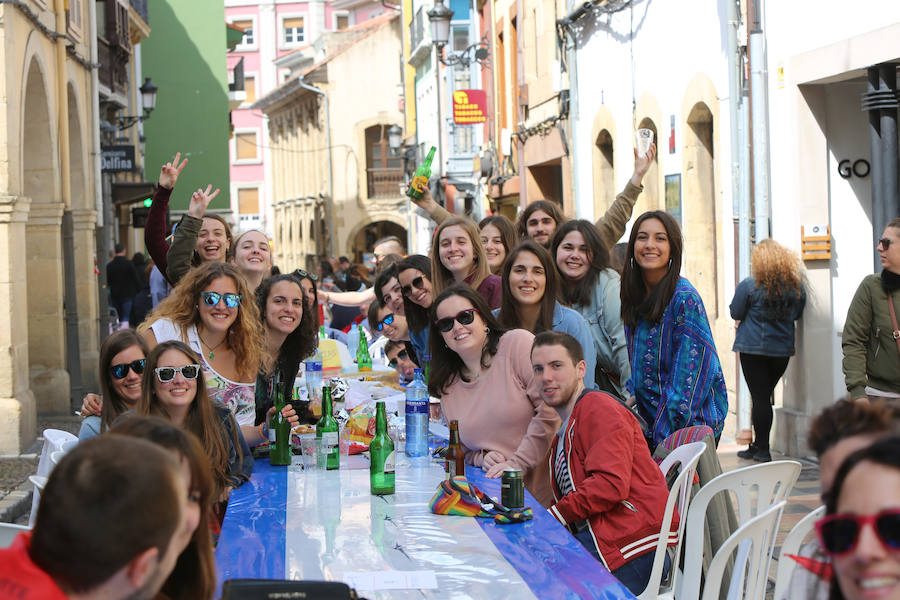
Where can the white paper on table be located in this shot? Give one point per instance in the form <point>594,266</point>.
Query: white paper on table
<point>391,580</point>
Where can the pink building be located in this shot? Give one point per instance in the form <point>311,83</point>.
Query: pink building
<point>272,29</point>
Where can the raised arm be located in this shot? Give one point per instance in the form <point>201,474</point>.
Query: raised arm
<point>155,228</point>
<point>437,212</point>
<point>612,224</point>
<point>185,239</point>
<point>348,298</point>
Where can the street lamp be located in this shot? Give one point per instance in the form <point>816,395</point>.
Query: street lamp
<point>440,16</point>
<point>148,100</point>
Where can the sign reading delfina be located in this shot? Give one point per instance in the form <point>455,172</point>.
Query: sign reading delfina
<point>469,107</point>
<point>117,159</point>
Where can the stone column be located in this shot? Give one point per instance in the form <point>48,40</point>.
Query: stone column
<point>85,221</point>
<point>18,420</point>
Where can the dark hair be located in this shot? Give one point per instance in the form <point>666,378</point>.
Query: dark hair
<point>416,316</point>
<point>138,259</point>
<point>326,268</point>
<point>579,292</point>
<point>196,261</point>
<point>636,303</point>
<point>343,259</point>
<point>298,344</point>
<point>617,257</point>
<point>560,338</point>
<point>113,404</point>
<point>446,365</point>
<point>315,289</point>
<point>372,315</point>
<point>194,575</point>
<point>895,223</point>
<point>108,500</point>
<point>388,260</point>
<point>509,316</point>
<point>119,248</point>
<point>507,229</point>
<point>384,276</point>
<point>391,344</point>
<point>549,207</point>
<point>847,418</point>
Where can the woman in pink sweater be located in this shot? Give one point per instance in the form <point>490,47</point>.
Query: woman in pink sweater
<point>483,376</point>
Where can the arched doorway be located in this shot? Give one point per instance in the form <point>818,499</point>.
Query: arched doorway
<point>43,251</point>
<point>604,173</point>
<point>700,206</point>
<point>365,238</point>
<point>650,198</point>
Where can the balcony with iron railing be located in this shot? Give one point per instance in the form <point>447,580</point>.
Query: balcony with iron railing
<point>384,182</point>
<point>140,6</point>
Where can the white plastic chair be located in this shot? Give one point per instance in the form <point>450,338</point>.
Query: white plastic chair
<point>753,542</point>
<point>8,532</point>
<point>687,456</point>
<point>54,439</point>
<point>347,362</point>
<point>772,482</point>
<point>56,457</point>
<point>791,545</point>
<point>376,351</point>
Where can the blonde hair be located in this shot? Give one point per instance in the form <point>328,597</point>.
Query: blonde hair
<point>441,277</point>
<point>776,269</point>
<point>245,336</point>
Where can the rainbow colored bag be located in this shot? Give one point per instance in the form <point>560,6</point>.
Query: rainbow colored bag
<point>457,496</point>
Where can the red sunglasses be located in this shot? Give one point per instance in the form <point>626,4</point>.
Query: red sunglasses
<point>839,533</point>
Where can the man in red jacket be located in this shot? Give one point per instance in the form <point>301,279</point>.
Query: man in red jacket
<point>607,489</point>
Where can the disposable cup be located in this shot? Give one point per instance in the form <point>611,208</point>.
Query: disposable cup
<point>643,138</point>
<point>309,448</point>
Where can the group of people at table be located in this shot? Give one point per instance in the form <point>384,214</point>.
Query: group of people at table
<point>550,360</point>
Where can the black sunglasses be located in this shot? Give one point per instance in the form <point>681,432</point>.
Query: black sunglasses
<point>387,320</point>
<point>213,299</point>
<point>418,283</point>
<point>885,243</point>
<point>840,533</point>
<point>167,374</point>
<point>402,355</point>
<point>463,317</point>
<point>303,275</point>
<point>120,371</point>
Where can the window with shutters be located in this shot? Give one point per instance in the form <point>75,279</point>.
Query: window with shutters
<point>292,31</point>
<point>248,42</point>
<point>250,88</point>
<point>248,201</point>
<point>246,146</point>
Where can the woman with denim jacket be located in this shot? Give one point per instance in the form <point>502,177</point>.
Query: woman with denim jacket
<point>766,305</point>
<point>592,288</point>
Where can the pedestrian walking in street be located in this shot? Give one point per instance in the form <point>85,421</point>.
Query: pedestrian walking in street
<point>766,306</point>
<point>123,281</point>
<point>498,236</point>
<point>676,377</point>
<point>871,336</point>
<point>457,257</point>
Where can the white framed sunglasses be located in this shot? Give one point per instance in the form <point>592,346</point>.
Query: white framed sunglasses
<point>167,374</point>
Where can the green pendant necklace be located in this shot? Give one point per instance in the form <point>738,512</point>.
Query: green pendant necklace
<point>211,354</point>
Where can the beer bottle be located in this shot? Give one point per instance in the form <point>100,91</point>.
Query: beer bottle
<point>279,429</point>
<point>420,179</point>
<point>456,460</point>
<point>427,367</point>
<point>322,335</point>
<point>327,431</point>
<point>363,360</point>
<point>381,455</point>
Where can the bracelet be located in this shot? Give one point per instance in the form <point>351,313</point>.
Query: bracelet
<point>264,430</point>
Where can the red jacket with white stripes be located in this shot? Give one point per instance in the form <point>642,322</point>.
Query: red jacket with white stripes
<point>618,487</point>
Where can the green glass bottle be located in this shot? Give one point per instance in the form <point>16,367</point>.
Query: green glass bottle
<point>381,455</point>
<point>322,335</point>
<point>363,360</point>
<point>279,428</point>
<point>327,431</point>
<point>420,179</point>
<point>427,367</point>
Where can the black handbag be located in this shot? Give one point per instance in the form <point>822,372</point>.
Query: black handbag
<point>264,589</point>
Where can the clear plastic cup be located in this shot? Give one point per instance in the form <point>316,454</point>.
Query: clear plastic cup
<point>309,448</point>
<point>643,138</point>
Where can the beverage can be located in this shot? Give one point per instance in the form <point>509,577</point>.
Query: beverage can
<point>512,489</point>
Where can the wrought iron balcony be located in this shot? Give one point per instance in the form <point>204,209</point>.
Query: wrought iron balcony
<point>384,182</point>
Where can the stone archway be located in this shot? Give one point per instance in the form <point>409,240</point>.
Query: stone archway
<point>650,198</point>
<point>364,236</point>
<point>603,165</point>
<point>43,251</point>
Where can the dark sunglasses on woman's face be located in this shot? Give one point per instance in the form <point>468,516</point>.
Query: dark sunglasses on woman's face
<point>213,299</point>
<point>885,243</point>
<point>840,533</point>
<point>167,374</point>
<point>463,317</point>
<point>303,275</point>
<point>120,371</point>
<point>402,355</point>
<point>418,283</point>
<point>387,320</point>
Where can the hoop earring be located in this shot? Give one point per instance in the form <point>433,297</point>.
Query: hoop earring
<point>487,330</point>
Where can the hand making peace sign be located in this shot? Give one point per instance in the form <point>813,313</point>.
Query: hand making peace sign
<point>170,171</point>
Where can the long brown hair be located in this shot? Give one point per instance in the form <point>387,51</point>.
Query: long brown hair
<point>416,316</point>
<point>442,278</point>
<point>245,336</point>
<point>636,303</point>
<point>196,261</point>
<point>579,292</point>
<point>509,316</point>
<point>507,229</point>
<point>201,419</point>
<point>113,404</point>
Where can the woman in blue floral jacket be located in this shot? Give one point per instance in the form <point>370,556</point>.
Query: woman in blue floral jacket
<point>676,378</point>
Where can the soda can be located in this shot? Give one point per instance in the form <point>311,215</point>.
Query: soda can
<point>512,489</point>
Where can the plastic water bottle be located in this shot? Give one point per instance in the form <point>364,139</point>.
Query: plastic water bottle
<point>353,341</point>
<point>417,416</point>
<point>312,368</point>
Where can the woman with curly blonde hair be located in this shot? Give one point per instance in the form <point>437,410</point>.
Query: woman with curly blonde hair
<point>457,256</point>
<point>766,304</point>
<point>213,311</point>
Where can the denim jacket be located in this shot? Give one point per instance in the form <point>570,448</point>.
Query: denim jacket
<point>756,334</point>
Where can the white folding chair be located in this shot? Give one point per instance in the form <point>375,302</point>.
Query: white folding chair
<point>8,532</point>
<point>771,482</point>
<point>791,545</point>
<point>687,457</point>
<point>376,350</point>
<point>54,439</point>
<point>753,542</point>
<point>55,457</point>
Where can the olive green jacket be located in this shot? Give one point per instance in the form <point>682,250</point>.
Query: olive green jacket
<point>181,251</point>
<point>871,356</point>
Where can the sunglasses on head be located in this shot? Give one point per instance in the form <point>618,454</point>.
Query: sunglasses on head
<point>402,355</point>
<point>387,320</point>
<point>167,374</point>
<point>213,299</point>
<point>885,243</point>
<point>463,317</point>
<point>418,283</point>
<point>839,533</point>
<point>303,275</point>
<point>120,371</point>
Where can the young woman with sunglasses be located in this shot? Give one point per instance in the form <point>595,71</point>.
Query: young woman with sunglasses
<point>457,256</point>
<point>213,312</point>
<point>592,288</point>
<point>122,359</point>
<point>498,236</point>
<point>530,301</point>
<point>482,373</point>
<point>174,390</point>
<point>414,277</point>
<point>861,529</point>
